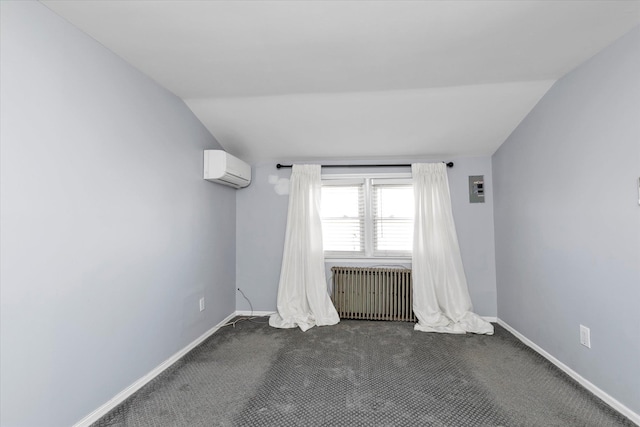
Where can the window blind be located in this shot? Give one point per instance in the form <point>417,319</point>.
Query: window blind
<point>392,214</point>
<point>342,214</point>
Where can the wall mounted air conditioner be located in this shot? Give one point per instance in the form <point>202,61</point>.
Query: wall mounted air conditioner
<point>223,168</point>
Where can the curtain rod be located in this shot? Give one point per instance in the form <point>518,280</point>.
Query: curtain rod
<point>279,166</point>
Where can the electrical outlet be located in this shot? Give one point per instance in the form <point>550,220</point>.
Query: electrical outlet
<point>201,303</point>
<point>585,336</point>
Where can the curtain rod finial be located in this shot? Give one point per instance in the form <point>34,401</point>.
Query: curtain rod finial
<point>450,164</point>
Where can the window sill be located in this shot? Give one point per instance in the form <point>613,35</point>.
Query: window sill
<point>368,260</point>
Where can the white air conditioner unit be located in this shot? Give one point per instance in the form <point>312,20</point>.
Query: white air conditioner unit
<point>223,168</point>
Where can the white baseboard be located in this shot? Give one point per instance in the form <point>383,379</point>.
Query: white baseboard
<point>124,394</point>
<point>253,313</point>
<point>491,319</point>
<point>615,404</point>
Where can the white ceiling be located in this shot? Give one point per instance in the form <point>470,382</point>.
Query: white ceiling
<point>357,79</point>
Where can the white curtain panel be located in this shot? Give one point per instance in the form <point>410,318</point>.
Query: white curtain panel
<point>303,299</point>
<point>441,300</point>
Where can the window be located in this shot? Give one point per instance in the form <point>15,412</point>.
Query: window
<point>367,217</point>
<point>342,214</point>
<point>392,219</point>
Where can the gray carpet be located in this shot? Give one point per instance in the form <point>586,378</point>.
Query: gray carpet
<point>361,373</point>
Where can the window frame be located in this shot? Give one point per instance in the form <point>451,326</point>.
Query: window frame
<point>350,181</point>
<point>368,180</point>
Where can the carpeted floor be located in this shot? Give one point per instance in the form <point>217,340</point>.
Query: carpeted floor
<point>361,373</point>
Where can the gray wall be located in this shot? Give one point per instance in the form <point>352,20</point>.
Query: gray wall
<point>568,222</point>
<point>109,234</point>
<point>262,217</point>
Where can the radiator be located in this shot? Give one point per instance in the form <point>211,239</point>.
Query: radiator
<point>373,293</point>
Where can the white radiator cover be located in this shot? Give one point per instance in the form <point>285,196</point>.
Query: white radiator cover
<point>223,168</point>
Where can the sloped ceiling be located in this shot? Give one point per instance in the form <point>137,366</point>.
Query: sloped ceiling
<point>355,79</point>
